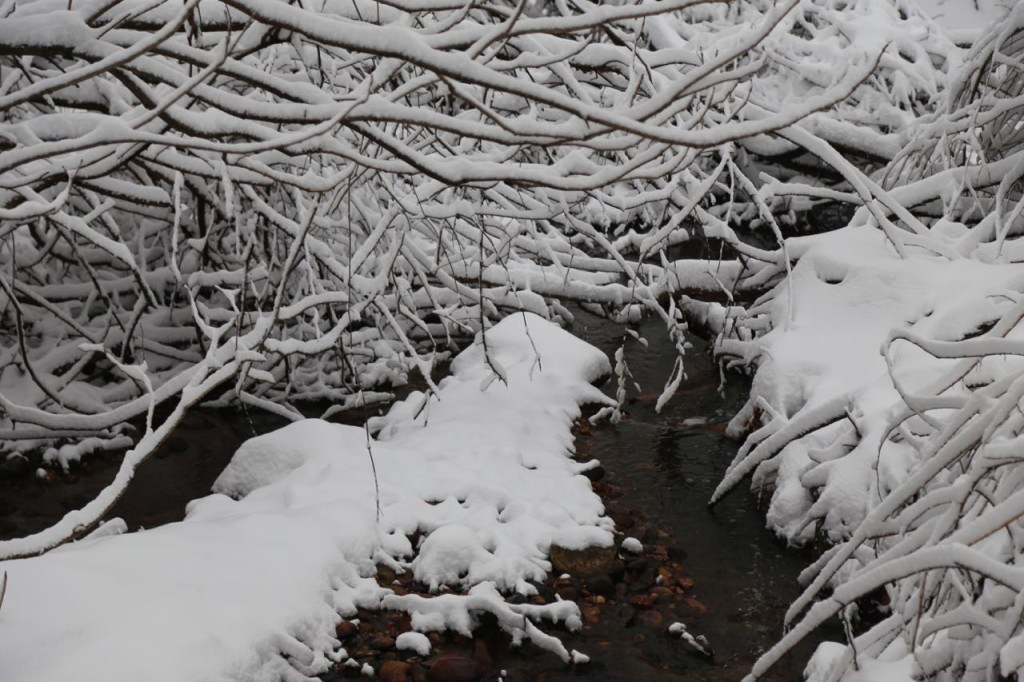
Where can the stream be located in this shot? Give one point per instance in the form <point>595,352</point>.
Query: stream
<point>660,471</point>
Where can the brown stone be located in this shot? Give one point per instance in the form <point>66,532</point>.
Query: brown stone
<point>386,575</point>
<point>394,671</point>
<point>568,593</point>
<point>583,563</point>
<point>345,629</point>
<point>697,605</point>
<point>601,584</point>
<point>382,642</point>
<point>686,583</point>
<point>651,618</point>
<point>481,654</point>
<point>455,668</point>
<point>643,601</point>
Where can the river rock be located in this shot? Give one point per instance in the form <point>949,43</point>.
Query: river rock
<point>13,465</point>
<point>382,642</point>
<point>455,668</point>
<point>345,629</point>
<point>394,671</point>
<point>651,619</point>
<point>601,584</point>
<point>585,563</point>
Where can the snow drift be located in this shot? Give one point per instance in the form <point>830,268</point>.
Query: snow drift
<point>251,584</point>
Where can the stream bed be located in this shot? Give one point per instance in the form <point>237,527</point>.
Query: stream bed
<point>659,472</point>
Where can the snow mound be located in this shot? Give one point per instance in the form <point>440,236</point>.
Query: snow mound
<point>823,390</point>
<point>251,584</point>
<point>413,641</point>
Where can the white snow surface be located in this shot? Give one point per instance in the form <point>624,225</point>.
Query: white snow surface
<point>823,360</point>
<point>965,15</point>
<point>251,584</point>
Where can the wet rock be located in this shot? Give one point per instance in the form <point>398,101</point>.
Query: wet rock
<point>14,466</point>
<point>394,671</point>
<point>455,668</point>
<point>643,601</point>
<point>386,575</point>
<point>698,606</point>
<point>346,629</point>
<point>382,642</point>
<point>651,618</point>
<point>638,566</point>
<point>601,584</point>
<point>685,583</point>
<point>545,593</point>
<point>568,593</point>
<point>583,563</point>
<point>481,654</point>
<point>595,473</point>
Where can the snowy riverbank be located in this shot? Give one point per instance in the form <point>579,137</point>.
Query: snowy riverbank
<point>251,589</point>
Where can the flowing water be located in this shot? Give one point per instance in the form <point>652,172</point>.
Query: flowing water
<point>665,467</point>
<point>661,470</point>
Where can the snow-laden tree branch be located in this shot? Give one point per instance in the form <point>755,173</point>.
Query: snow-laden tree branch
<point>254,201</point>
<point>885,411</point>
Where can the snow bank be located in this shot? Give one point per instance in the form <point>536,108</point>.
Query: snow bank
<point>885,411</point>
<point>251,584</point>
<point>823,389</point>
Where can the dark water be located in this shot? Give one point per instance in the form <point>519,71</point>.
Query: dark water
<point>661,468</point>
<point>183,469</point>
<point>666,468</point>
